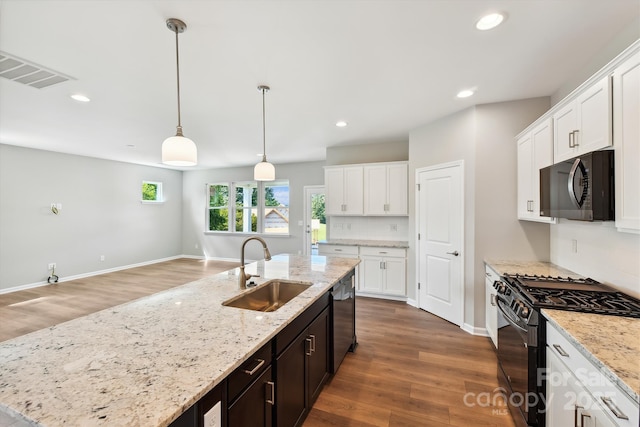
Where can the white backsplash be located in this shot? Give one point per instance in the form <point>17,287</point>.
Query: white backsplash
<point>599,251</point>
<point>368,228</point>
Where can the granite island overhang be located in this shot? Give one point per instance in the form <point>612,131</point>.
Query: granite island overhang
<point>145,362</point>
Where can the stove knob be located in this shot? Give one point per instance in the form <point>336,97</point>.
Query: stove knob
<point>524,311</point>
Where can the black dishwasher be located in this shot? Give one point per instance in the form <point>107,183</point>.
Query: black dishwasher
<point>344,319</point>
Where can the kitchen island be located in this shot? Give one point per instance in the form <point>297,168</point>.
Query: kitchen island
<point>148,361</point>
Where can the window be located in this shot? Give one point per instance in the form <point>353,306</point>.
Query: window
<point>218,207</point>
<point>276,207</point>
<point>152,191</point>
<point>246,207</point>
<point>256,207</point>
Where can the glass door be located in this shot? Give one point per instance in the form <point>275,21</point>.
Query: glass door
<point>315,224</point>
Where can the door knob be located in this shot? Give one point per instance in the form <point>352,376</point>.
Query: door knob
<point>454,253</point>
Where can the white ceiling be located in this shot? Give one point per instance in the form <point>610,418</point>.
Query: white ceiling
<point>386,67</point>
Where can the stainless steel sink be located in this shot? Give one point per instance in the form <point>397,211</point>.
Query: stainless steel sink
<point>269,296</point>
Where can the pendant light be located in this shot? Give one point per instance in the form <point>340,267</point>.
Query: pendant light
<point>264,171</point>
<point>178,150</point>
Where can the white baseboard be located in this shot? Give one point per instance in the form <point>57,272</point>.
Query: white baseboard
<point>412,302</point>
<point>381,296</point>
<point>482,332</point>
<point>90,274</point>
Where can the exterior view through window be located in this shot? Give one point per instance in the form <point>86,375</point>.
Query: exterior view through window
<point>257,207</point>
<point>151,191</point>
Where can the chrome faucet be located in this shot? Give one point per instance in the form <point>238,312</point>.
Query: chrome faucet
<point>242,280</point>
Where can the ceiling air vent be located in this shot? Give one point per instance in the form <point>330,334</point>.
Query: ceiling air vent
<point>28,73</point>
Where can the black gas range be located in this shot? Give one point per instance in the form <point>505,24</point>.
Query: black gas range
<point>522,341</point>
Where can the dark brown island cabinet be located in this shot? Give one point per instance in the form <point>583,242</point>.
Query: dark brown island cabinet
<point>277,385</point>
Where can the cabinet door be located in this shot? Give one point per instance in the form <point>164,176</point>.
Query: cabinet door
<point>564,124</point>
<point>353,191</point>
<point>334,191</point>
<point>255,406</point>
<point>375,190</point>
<point>397,189</point>
<point>525,164</point>
<point>318,360</point>
<point>291,383</point>
<point>491,311</point>
<point>370,274</point>
<point>594,117</point>
<point>626,134</point>
<point>542,150</point>
<point>568,402</point>
<point>394,276</point>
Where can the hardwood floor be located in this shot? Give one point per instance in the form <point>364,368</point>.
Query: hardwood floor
<point>29,310</point>
<point>410,368</point>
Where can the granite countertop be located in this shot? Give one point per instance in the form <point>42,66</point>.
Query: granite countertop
<point>612,343</point>
<point>361,242</point>
<point>147,361</point>
<point>540,268</point>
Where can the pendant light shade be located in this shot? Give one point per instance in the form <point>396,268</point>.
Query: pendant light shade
<point>178,150</point>
<point>264,171</point>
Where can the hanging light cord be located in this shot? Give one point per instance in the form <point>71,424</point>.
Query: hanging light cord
<point>179,127</point>
<point>264,138</point>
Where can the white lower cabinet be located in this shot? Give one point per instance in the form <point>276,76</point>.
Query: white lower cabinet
<point>383,270</point>
<point>578,394</point>
<point>491,310</point>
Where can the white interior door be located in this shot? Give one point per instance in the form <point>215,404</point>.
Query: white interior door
<point>314,218</point>
<point>440,253</point>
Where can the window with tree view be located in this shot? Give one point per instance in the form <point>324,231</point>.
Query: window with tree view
<point>218,207</point>
<point>256,207</point>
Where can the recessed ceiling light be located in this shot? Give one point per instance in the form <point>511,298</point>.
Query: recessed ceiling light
<point>490,21</point>
<point>464,93</point>
<point>341,124</point>
<point>80,97</point>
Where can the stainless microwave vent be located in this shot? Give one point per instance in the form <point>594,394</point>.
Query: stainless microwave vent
<point>29,73</point>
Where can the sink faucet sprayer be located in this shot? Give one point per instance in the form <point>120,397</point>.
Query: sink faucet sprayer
<point>242,280</point>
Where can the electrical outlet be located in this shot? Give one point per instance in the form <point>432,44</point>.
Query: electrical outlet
<point>574,246</point>
<point>101,257</point>
<point>52,265</point>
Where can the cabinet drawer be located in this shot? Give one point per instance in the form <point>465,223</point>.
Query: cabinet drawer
<point>384,252</point>
<point>300,323</point>
<point>615,402</point>
<point>249,371</point>
<point>338,250</point>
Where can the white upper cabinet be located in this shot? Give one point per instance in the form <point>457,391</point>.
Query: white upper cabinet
<point>626,140</point>
<point>584,123</point>
<point>535,151</point>
<point>343,190</point>
<point>386,188</point>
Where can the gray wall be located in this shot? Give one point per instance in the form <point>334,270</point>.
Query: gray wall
<point>368,153</point>
<point>227,246</point>
<point>484,137</point>
<point>101,215</point>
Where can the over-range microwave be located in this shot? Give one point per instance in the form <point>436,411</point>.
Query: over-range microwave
<point>581,188</point>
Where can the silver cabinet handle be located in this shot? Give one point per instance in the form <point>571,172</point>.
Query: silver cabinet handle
<point>454,253</point>
<point>307,346</point>
<point>613,408</point>
<point>255,369</point>
<point>575,138</point>
<point>493,300</point>
<point>382,252</point>
<point>582,417</point>
<point>576,408</point>
<point>313,343</point>
<point>560,350</point>
<point>271,392</point>
<point>571,140</point>
<point>338,250</point>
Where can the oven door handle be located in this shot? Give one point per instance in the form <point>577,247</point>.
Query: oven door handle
<point>507,317</point>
